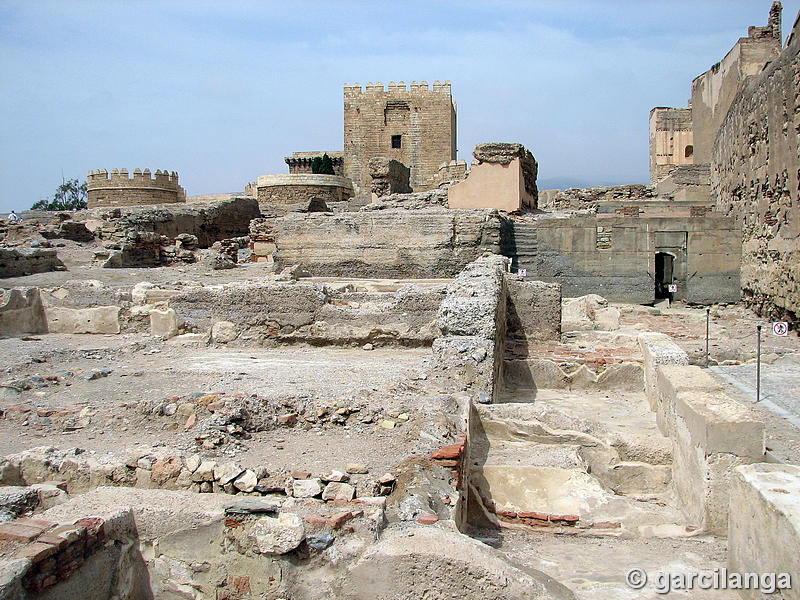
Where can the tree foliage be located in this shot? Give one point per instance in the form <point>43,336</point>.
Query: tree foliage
<point>322,165</point>
<point>71,195</point>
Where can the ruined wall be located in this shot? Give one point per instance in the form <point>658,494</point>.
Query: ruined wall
<point>120,190</point>
<point>270,312</point>
<point>534,310</point>
<point>614,256</point>
<point>388,176</point>
<point>472,320</point>
<point>209,221</point>
<point>764,531</point>
<point>24,261</point>
<point>380,243</point>
<point>421,121</point>
<point>590,198</point>
<point>686,183</point>
<point>452,172</point>
<point>714,91</point>
<point>21,311</point>
<point>295,189</point>
<point>756,180</point>
<point>503,176</point>
<point>671,140</point>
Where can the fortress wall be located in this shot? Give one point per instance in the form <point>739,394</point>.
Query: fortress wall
<point>756,180</point>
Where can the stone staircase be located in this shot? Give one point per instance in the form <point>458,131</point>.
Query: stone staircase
<point>544,464</point>
<point>521,245</point>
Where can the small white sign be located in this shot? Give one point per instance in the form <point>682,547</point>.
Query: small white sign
<point>780,328</point>
<point>672,288</point>
<point>523,272</point>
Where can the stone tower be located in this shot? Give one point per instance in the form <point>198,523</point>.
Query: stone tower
<point>416,126</point>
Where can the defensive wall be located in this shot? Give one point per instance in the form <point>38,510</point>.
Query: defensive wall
<point>119,189</point>
<point>756,181</point>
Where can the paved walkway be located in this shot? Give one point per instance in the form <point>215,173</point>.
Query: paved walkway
<point>780,384</point>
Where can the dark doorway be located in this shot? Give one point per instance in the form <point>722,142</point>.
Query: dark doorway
<point>664,275</point>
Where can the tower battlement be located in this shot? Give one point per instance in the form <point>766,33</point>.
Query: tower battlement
<point>119,188</point>
<point>355,89</point>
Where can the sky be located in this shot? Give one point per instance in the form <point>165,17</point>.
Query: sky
<point>221,91</point>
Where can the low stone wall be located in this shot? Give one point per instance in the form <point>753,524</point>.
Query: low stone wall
<point>397,243</point>
<point>764,526</point>
<point>711,434</point>
<point>472,320</point>
<point>274,312</point>
<point>21,312</point>
<point>658,349</point>
<point>534,310</point>
<point>25,261</point>
<point>155,543</point>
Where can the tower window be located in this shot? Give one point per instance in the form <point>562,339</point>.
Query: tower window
<point>688,151</point>
<point>397,141</point>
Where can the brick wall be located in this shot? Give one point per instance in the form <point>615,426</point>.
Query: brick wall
<point>425,120</point>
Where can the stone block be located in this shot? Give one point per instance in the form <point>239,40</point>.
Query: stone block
<point>338,491</point>
<point>96,320</point>
<point>719,424</point>
<point>164,323</point>
<point>764,524</point>
<point>278,535</point>
<point>21,311</point>
<point>672,380</point>
<point>658,349</point>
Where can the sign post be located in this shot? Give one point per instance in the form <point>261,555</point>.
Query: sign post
<point>758,366</point>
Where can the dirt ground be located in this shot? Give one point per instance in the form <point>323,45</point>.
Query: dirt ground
<point>92,392</point>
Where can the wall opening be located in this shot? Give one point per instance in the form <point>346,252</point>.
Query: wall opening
<point>397,141</point>
<point>664,274</point>
<point>688,151</point>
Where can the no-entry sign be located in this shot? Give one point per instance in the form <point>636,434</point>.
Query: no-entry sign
<point>780,328</point>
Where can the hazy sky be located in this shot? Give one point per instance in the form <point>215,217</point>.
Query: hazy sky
<point>221,92</point>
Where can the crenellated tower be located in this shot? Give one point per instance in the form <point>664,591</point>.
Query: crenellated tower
<point>119,189</point>
<point>415,125</point>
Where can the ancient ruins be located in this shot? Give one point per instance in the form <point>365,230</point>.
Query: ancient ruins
<point>414,378</point>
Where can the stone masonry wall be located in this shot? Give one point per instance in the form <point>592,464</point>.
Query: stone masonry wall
<point>589,198</point>
<point>120,190</point>
<point>428,243</point>
<point>266,313</point>
<point>756,180</point>
<point>302,188</point>
<point>423,118</point>
<point>208,221</point>
<point>24,261</point>
<point>472,320</point>
<point>715,90</point>
<point>614,256</point>
<point>388,176</point>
